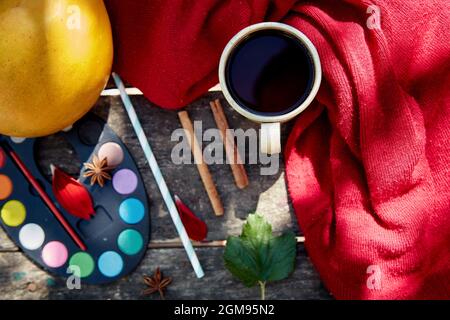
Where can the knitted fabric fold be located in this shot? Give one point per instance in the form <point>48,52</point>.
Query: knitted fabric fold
<point>368,164</point>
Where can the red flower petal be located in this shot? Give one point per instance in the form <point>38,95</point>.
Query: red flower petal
<point>195,228</point>
<point>72,195</point>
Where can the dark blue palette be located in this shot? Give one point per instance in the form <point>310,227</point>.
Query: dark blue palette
<point>117,235</point>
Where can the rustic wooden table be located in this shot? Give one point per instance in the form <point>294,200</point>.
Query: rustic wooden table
<point>267,195</point>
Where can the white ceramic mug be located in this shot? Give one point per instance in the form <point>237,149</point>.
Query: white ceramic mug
<point>270,125</point>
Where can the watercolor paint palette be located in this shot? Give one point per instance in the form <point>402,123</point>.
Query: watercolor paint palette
<point>116,236</point>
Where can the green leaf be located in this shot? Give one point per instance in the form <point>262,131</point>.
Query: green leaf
<point>256,229</point>
<point>257,256</point>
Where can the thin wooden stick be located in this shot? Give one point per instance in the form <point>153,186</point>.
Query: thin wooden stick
<point>237,168</point>
<point>157,244</point>
<point>201,165</point>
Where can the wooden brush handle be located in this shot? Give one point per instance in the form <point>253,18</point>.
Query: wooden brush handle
<point>45,198</point>
<point>201,165</point>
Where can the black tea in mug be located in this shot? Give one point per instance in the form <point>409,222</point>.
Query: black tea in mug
<point>270,72</point>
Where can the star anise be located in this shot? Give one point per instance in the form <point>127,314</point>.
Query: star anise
<point>156,283</point>
<point>98,171</point>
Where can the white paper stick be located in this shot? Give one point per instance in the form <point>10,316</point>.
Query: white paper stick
<point>159,177</point>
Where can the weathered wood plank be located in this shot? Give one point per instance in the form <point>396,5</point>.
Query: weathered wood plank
<point>20,279</point>
<point>266,194</point>
<point>5,243</point>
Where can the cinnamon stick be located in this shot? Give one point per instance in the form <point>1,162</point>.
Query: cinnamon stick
<point>201,165</point>
<point>237,168</point>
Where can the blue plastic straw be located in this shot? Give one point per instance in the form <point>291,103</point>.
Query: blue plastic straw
<point>159,177</point>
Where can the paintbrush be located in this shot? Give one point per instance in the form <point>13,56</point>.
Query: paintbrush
<point>42,194</point>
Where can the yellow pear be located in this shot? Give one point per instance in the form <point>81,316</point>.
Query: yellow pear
<point>55,59</point>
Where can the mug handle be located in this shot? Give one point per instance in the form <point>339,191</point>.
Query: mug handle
<point>269,138</point>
